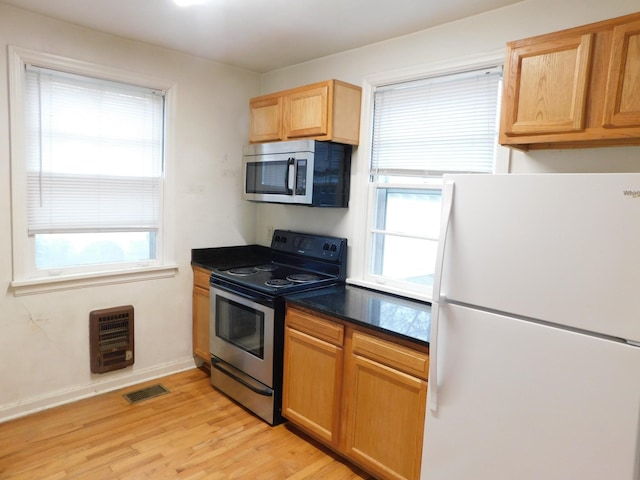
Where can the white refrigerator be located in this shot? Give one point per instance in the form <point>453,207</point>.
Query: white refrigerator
<point>535,336</point>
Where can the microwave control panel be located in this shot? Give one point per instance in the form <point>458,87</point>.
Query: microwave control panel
<point>301,177</point>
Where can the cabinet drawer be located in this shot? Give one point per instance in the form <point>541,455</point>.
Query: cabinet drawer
<point>388,353</point>
<point>201,277</point>
<point>323,329</point>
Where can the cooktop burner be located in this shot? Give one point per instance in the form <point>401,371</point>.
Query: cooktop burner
<point>243,271</point>
<point>303,277</point>
<point>275,277</point>
<point>277,282</point>
<point>265,268</point>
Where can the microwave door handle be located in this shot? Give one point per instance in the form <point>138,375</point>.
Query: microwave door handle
<point>290,176</point>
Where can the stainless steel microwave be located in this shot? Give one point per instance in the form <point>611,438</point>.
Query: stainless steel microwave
<point>302,172</point>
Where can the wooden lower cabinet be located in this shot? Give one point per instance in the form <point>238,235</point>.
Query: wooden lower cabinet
<point>200,313</point>
<point>313,358</point>
<point>385,411</point>
<point>359,393</point>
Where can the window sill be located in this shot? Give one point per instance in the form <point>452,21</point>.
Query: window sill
<point>69,282</point>
<point>389,289</point>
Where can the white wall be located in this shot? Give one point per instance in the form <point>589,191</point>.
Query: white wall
<point>478,35</point>
<point>44,350</point>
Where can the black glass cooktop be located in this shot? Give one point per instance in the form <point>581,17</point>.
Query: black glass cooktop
<point>294,262</point>
<point>272,278</point>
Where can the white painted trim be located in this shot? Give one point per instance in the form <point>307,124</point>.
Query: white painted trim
<point>170,169</point>
<point>70,282</point>
<point>25,276</point>
<point>390,289</point>
<point>361,242</point>
<point>446,67</point>
<point>22,56</point>
<point>18,175</point>
<point>62,397</point>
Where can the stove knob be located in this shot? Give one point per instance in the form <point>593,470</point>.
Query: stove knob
<point>334,247</point>
<point>325,246</point>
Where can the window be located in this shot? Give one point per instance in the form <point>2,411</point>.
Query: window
<point>89,165</point>
<point>423,129</point>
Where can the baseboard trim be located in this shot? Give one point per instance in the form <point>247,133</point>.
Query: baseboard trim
<point>55,399</point>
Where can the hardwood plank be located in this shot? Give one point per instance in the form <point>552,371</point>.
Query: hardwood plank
<point>194,432</point>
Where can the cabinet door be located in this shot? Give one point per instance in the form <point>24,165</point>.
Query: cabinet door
<point>385,423</point>
<point>201,323</point>
<point>307,112</point>
<point>546,86</point>
<point>622,98</point>
<point>311,387</point>
<point>265,119</point>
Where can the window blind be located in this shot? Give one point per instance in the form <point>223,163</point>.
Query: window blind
<point>437,125</point>
<point>94,154</point>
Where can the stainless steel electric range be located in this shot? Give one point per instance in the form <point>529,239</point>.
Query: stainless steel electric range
<point>248,307</point>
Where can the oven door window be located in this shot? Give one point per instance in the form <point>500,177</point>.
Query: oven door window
<point>241,326</point>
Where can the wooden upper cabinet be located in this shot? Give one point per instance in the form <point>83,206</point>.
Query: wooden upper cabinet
<point>622,100</point>
<point>328,110</point>
<point>575,88</point>
<point>265,119</point>
<point>548,83</point>
<point>306,112</point>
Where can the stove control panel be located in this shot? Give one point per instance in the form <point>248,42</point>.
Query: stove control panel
<point>309,245</point>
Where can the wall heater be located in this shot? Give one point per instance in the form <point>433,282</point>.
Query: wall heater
<point>111,338</point>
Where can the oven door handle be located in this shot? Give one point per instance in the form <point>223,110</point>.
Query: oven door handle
<point>221,366</point>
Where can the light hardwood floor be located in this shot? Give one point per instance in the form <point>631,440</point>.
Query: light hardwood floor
<point>194,432</point>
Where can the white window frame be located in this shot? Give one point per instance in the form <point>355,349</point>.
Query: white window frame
<point>362,242</point>
<point>26,279</point>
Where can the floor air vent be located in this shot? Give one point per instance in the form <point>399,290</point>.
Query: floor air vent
<point>146,393</point>
<point>111,338</point>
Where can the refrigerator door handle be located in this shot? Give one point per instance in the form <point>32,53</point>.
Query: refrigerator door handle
<point>447,203</point>
<point>433,358</point>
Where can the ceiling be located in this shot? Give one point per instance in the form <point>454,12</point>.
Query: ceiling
<point>260,35</point>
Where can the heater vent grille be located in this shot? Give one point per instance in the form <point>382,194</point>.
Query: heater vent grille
<point>146,393</point>
<point>111,338</point>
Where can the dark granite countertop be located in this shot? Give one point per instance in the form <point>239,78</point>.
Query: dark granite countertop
<point>227,257</point>
<point>386,313</point>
